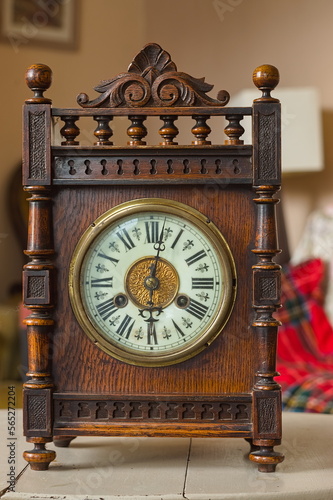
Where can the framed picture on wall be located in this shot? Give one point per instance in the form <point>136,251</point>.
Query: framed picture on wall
<point>51,22</point>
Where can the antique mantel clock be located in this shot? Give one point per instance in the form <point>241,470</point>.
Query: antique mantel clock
<point>151,282</point>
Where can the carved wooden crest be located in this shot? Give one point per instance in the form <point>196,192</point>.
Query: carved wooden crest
<point>153,80</point>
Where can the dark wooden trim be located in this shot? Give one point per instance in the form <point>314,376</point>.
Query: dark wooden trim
<point>152,165</point>
<point>150,111</point>
<point>224,398</point>
<point>176,429</point>
<point>77,410</point>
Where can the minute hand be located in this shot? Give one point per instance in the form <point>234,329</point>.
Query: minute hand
<point>159,247</point>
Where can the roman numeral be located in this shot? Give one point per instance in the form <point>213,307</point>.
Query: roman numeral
<point>106,309</point>
<point>101,282</point>
<point>152,231</point>
<point>125,326</point>
<point>111,259</point>
<point>178,328</point>
<point>203,283</point>
<point>194,258</point>
<point>126,239</point>
<point>177,238</point>
<point>196,309</point>
<point>151,333</point>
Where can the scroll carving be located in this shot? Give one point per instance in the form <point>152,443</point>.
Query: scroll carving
<point>153,80</point>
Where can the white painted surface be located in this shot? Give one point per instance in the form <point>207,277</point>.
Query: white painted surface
<point>158,468</point>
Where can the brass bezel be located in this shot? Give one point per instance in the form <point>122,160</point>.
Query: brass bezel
<point>226,262</point>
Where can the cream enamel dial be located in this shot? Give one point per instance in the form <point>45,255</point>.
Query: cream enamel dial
<point>152,282</point>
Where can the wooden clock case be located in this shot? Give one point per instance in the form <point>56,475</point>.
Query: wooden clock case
<point>76,389</point>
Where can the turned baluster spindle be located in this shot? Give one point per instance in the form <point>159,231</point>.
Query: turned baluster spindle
<point>70,131</point>
<point>201,130</point>
<point>103,132</point>
<point>137,131</point>
<point>234,130</point>
<point>168,131</point>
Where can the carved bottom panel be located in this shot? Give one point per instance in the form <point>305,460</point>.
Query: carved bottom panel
<point>71,409</point>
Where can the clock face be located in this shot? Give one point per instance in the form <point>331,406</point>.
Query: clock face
<point>152,282</point>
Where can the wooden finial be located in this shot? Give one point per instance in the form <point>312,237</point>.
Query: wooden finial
<point>266,78</point>
<point>38,78</point>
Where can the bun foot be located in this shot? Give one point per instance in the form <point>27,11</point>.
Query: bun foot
<point>39,458</point>
<point>266,458</point>
<point>62,441</point>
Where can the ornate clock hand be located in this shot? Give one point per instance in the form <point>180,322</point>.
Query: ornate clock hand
<point>151,329</point>
<point>151,282</point>
<point>159,245</point>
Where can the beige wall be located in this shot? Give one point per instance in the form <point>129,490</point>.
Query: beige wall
<point>104,27</point>
<point>223,44</point>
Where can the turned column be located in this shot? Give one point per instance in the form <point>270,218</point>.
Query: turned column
<point>266,273</point>
<point>38,273</point>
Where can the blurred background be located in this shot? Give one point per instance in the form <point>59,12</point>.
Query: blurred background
<point>222,40</point>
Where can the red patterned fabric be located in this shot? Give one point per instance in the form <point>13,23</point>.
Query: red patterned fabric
<point>305,342</point>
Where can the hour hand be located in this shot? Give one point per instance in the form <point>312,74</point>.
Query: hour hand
<point>151,328</point>
<point>149,317</point>
<point>151,282</point>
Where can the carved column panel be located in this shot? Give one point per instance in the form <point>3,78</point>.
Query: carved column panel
<point>37,144</point>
